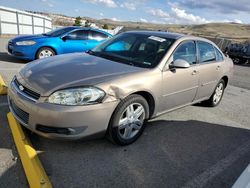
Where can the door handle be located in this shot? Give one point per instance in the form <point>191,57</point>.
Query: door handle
<point>194,72</point>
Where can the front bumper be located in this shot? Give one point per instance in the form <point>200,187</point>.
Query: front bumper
<point>80,121</point>
<point>21,52</point>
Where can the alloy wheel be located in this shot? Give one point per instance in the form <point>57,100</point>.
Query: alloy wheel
<point>131,121</point>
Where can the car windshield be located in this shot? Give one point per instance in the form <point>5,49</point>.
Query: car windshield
<point>58,32</point>
<point>142,50</point>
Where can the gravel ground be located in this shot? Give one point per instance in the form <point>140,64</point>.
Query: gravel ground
<point>191,147</point>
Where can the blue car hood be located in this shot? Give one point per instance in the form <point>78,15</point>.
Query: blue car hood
<point>28,37</point>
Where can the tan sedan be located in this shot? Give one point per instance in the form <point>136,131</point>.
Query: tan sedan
<point>115,88</point>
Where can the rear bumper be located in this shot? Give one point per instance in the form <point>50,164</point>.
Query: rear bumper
<point>61,122</point>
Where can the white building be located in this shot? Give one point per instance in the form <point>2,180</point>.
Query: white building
<point>13,21</point>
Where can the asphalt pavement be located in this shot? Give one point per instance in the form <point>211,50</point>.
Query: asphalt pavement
<point>192,147</point>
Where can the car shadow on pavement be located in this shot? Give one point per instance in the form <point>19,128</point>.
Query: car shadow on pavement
<point>169,154</point>
<point>4,56</point>
<point>11,172</point>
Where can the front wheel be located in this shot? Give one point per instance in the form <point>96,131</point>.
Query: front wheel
<point>216,97</point>
<point>128,120</point>
<point>45,52</point>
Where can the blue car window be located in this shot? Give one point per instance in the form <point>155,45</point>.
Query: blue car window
<point>78,35</point>
<point>98,35</point>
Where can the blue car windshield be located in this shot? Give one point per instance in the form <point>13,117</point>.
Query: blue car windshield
<point>142,50</point>
<point>58,32</point>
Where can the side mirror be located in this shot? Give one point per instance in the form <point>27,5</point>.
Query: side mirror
<point>66,37</point>
<point>179,63</point>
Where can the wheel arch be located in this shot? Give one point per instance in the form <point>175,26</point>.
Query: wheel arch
<point>150,100</point>
<point>225,78</point>
<point>46,46</point>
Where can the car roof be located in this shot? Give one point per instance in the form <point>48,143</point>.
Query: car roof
<point>89,28</point>
<point>159,34</point>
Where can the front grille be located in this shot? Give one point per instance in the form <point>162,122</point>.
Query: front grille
<point>10,43</point>
<point>27,91</point>
<point>22,115</point>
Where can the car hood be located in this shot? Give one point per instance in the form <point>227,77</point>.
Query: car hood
<point>28,37</point>
<point>70,70</point>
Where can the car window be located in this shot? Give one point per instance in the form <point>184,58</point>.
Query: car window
<point>219,56</point>
<point>140,50</point>
<point>98,35</point>
<point>78,35</point>
<point>186,51</point>
<point>122,45</point>
<point>206,52</point>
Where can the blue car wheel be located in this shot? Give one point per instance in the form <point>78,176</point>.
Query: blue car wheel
<point>45,52</point>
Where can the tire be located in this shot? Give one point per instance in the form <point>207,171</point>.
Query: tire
<point>124,127</point>
<point>45,52</point>
<point>213,101</point>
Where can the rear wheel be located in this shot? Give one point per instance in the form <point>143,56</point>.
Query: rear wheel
<point>128,121</point>
<point>45,52</point>
<point>216,97</point>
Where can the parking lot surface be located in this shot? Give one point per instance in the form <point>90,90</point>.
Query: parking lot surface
<point>192,147</point>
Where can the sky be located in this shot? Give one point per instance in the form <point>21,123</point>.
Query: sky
<point>158,11</point>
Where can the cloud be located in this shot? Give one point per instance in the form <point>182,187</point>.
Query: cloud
<point>76,10</point>
<point>223,6</point>
<point>108,3</point>
<point>115,19</point>
<point>237,21</point>
<point>129,6</point>
<point>101,14</point>
<point>159,13</point>
<point>143,20</point>
<point>183,17</point>
<point>177,15</point>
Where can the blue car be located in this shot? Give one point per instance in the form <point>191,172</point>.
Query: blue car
<point>59,41</point>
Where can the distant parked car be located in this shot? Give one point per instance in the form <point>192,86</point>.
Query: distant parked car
<point>239,53</point>
<point>116,87</point>
<point>59,41</point>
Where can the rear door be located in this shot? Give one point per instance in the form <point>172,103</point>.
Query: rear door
<point>209,68</point>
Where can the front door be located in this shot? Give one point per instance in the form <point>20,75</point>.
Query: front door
<point>76,41</point>
<point>180,85</point>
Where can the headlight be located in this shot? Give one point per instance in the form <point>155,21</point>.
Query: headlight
<point>77,96</point>
<point>26,43</point>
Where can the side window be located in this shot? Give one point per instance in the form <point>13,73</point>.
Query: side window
<point>206,52</point>
<point>219,56</point>
<point>98,35</point>
<point>78,35</point>
<point>186,51</point>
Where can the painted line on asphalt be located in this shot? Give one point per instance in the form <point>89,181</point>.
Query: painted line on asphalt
<point>9,69</point>
<point>35,173</point>
<point>244,179</point>
<point>3,87</point>
<point>202,179</point>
